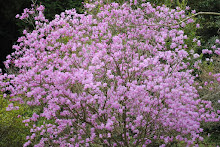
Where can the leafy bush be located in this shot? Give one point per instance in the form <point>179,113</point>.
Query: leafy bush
<point>209,24</point>
<point>118,76</point>
<point>12,130</point>
<point>208,87</point>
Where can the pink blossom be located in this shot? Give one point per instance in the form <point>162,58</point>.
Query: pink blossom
<point>187,7</point>
<point>102,78</point>
<point>193,11</point>
<point>206,51</point>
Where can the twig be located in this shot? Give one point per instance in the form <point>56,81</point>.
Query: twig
<point>200,13</point>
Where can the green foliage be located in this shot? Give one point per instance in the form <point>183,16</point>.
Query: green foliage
<point>211,133</point>
<point>64,40</point>
<point>57,6</point>
<point>12,131</point>
<point>210,24</point>
<point>210,42</point>
<point>210,92</point>
<point>170,3</point>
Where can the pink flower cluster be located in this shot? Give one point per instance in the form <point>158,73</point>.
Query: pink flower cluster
<point>34,15</point>
<point>215,48</point>
<point>116,78</point>
<point>206,51</point>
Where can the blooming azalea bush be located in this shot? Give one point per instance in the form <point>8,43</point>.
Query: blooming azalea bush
<point>114,76</point>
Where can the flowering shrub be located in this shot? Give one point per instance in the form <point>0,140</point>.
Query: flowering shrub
<point>208,86</point>
<point>116,77</point>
